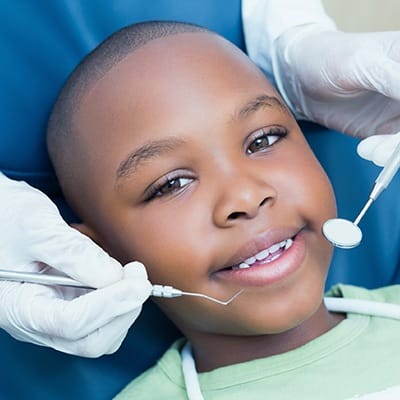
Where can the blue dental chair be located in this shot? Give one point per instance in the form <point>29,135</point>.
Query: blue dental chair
<point>41,43</point>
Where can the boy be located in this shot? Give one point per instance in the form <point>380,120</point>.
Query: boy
<point>176,151</point>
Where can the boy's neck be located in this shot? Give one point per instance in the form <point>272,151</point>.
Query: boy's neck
<point>215,351</point>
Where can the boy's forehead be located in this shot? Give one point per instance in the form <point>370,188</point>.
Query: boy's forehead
<point>167,84</point>
<point>192,61</point>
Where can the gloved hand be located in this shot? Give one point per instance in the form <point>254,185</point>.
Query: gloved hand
<point>378,148</point>
<point>346,81</point>
<point>81,322</point>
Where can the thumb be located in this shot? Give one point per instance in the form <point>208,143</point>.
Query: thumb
<point>378,148</point>
<point>137,271</point>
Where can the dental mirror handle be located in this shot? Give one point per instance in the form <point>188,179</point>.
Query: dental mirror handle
<point>387,174</point>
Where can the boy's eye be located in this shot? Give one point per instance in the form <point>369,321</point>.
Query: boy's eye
<point>168,186</point>
<point>173,184</point>
<point>264,138</point>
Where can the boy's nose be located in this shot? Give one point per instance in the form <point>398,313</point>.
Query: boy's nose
<point>241,198</point>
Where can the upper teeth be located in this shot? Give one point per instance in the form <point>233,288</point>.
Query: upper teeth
<point>265,253</point>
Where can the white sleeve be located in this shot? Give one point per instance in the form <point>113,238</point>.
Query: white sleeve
<point>265,20</point>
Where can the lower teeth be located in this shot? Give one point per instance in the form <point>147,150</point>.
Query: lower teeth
<point>274,258</point>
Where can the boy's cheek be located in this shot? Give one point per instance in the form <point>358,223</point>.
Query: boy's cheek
<point>166,254</point>
<point>309,185</point>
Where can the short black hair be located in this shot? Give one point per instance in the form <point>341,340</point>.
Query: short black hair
<point>92,68</point>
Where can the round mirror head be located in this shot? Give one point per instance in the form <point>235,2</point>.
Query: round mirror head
<point>342,233</point>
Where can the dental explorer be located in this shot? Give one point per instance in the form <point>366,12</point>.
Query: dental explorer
<point>157,291</point>
<point>347,234</point>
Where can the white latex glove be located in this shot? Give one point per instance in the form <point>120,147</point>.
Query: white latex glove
<point>346,81</point>
<point>75,321</point>
<point>378,148</point>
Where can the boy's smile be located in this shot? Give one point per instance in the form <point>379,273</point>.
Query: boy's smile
<point>260,263</point>
<point>196,168</point>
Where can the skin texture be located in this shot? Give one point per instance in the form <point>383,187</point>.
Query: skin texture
<point>227,192</point>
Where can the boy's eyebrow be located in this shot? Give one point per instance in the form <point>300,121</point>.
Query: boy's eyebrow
<point>149,150</point>
<point>156,147</point>
<point>257,103</point>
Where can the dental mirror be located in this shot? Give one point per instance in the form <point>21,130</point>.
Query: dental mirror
<point>342,233</point>
<point>346,234</point>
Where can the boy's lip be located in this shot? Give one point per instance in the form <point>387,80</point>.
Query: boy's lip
<point>265,273</point>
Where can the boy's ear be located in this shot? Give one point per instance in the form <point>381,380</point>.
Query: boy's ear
<point>86,230</point>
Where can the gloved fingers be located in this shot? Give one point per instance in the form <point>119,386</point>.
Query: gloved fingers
<point>16,301</point>
<point>383,78</point>
<point>104,340</point>
<point>339,88</point>
<point>391,124</point>
<point>75,319</point>
<point>378,148</point>
<point>43,236</point>
<point>135,270</point>
<point>75,254</point>
<point>107,339</point>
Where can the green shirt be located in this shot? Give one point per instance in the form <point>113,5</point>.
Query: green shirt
<point>360,355</point>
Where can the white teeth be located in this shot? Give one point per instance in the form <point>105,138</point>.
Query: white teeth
<point>274,258</point>
<point>274,248</point>
<point>289,243</point>
<point>250,260</point>
<point>262,254</point>
<point>285,244</point>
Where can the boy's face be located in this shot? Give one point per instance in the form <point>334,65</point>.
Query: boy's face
<point>194,166</point>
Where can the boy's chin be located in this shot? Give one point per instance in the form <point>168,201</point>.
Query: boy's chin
<point>284,321</point>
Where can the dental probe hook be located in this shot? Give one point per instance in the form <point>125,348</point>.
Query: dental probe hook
<point>170,292</point>
<point>56,280</point>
